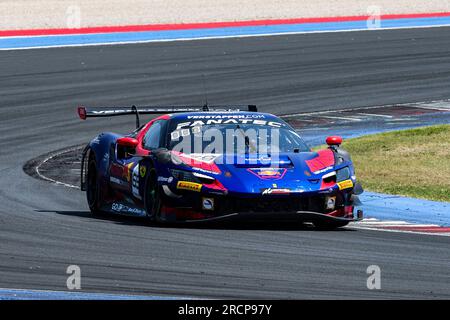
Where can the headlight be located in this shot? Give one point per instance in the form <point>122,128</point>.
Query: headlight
<point>183,175</point>
<point>343,174</point>
<point>196,177</point>
<point>204,178</point>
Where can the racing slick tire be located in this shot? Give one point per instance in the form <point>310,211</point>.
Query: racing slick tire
<point>329,225</point>
<point>152,197</point>
<point>93,187</point>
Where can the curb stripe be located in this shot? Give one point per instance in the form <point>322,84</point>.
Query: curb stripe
<point>210,25</point>
<point>418,228</point>
<point>30,39</point>
<point>400,226</point>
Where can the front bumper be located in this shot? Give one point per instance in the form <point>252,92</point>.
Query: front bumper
<point>298,216</point>
<point>186,205</point>
<point>342,215</point>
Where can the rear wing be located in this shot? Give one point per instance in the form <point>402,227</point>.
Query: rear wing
<point>85,113</point>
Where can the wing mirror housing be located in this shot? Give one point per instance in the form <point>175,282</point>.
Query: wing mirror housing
<point>126,147</point>
<point>334,141</point>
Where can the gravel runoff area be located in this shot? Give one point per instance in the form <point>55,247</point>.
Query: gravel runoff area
<point>35,14</point>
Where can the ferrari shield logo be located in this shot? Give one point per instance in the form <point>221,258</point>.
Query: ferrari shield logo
<point>142,171</point>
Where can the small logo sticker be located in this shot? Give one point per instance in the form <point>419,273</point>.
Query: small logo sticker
<point>275,191</point>
<point>208,204</point>
<point>268,173</point>
<point>142,171</point>
<point>127,171</point>
<point>346,184</point>
<point>190,186</point>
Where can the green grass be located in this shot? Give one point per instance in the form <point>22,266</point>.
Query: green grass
<point>414,163</point>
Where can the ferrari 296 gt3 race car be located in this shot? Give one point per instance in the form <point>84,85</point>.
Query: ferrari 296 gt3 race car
<point>209,163</point>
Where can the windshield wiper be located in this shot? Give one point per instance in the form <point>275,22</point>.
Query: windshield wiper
<point>252,148</point>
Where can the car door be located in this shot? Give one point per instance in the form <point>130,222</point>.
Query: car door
<point>121,169</point>
<point>128,171</point>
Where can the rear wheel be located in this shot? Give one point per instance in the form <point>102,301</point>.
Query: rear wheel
<point>152,197</point>
<point>92,187</point>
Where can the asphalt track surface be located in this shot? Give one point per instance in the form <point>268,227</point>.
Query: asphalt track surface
<point>44,227</point>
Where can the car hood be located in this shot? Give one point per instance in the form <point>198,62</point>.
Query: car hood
<point>285,173</point>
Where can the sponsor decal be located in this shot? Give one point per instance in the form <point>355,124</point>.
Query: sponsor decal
<point>275,191</point>
<point>208,204</point>
<point>191,186</point>
<point>346,184</point>
<point>106,158</point>
<point>175,135</point>
<point>96,140</point>
<point>268,173</point>
<point>101,112</point>
<point>126,174</point>
<point>118,207</point>
<point>228,116</point>
<point>135,182</point>
<point>323,170</point>
<point>117,181</point>
<point>164,179</point>
<point>199,123</point>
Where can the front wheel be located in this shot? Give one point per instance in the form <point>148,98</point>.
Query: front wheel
<point>152,197</point>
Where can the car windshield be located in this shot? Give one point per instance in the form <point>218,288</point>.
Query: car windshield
<point>263,138</point>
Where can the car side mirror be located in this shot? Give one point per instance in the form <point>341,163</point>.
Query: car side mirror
<point>126,146</point>
<point>334,141</point>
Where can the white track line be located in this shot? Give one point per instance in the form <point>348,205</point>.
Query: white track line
<point>50,179</point>
<point>375,115</point>
<point>447,234</point>
<point>342,118</point>
<point>392,223</point>
<point>386,225</point>
<point>432,108</point>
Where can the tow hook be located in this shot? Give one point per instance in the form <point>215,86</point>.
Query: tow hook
<point>359,214</point>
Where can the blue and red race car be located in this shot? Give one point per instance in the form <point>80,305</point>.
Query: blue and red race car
<point>209,163</point>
